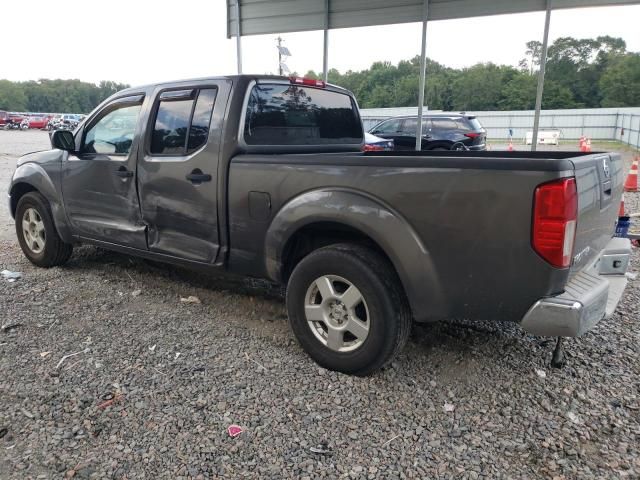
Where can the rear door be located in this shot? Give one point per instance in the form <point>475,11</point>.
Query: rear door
<point>177,171</point>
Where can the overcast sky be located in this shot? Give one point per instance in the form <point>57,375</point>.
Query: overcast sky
<point>139,42</point>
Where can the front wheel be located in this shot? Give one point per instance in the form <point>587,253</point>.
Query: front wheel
<point>347,309</point>
<point>37,234</point>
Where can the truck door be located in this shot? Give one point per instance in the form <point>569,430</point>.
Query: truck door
<point>177,167</point>
<point>98,182</point>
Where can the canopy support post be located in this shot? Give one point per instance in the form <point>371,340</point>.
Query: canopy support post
<point>325,51</point>
<point>543,65</point>
<point>423,67</point>
<point>238,42</point>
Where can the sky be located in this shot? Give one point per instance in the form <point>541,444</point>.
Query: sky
<point>139,42</point>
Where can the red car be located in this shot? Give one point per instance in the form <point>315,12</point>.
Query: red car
<point>38,121</point>
<point>4,118</point>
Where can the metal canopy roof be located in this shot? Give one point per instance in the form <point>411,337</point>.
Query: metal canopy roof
<point>280,16</point>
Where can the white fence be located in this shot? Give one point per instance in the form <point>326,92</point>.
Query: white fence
<point>597,123</point>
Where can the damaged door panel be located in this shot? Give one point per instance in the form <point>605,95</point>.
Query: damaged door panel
<point>178,174</point>
<point>99,180</point>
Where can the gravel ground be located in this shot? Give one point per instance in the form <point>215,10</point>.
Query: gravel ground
<point>158,381</point>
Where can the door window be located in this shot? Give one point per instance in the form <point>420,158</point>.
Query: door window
<point>182,121</point>
<point>113,130</point>
<point>410,125</point>
<point>392,126</point>
<point>444,123</point>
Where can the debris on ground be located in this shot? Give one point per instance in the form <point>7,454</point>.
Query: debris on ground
<point>86,350</point>
<point>110,399</point>
<point>152,348</point>
<point>190,299</point>
<point>136,293</point>
<point>541,373</point>
<point>44,354</point>
<point>27,413</point>
<point>10,326</point>
<point>10,276</point>
<point>573,417</point>
<point>449,407</point>
<point>321,449</point>
<point>234,430</point>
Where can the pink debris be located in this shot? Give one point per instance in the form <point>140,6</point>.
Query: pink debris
<point>234,430</point>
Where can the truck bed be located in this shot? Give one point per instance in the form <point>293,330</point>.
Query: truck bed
<point>470,212</point>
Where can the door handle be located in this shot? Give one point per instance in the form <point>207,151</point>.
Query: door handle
<point>124,173</point>
<point>196,176</point>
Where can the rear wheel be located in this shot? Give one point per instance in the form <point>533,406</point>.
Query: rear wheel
<point>37,234</point>
<point>347,309</point>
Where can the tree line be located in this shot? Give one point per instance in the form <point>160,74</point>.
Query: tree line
<point>55,96</point>
<point>580,73</point>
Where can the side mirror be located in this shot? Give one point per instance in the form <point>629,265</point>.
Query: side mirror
<point>63,139</point>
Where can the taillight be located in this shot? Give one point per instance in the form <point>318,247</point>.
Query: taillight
<point>372,148</point>
<point>312,82</point>
<point>555,212</point>
<point>472,135</point>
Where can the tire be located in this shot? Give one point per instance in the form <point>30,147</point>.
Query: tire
<point>41,244</point>
<point>382,309</point>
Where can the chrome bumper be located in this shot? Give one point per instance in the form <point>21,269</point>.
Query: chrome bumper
<point>591,295</point>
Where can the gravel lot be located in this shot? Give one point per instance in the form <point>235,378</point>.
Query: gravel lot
<point>158,381</point>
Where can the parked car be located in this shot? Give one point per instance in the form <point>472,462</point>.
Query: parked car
<point>14,120</point>
<point>4,118</point>
<point>263,176</point>
<point>38,121</point>
<point>376,144</point>
<point>439,132</point>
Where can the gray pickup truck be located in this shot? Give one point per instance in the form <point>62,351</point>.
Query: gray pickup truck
<point>264,176</point>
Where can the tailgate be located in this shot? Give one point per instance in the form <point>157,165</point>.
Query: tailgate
<point>599,182</point>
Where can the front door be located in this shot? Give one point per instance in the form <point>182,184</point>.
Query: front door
<point>178,172</point>
<point>391,130</point>
<point>98,182</point>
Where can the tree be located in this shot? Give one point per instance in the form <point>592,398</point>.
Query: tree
<point>620,84</point>
<point>55,96</point>
<point>532,59</point>
<point>12,97</point>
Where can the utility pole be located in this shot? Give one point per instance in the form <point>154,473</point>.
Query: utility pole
<point>282,52</point>
<point>279,55</point>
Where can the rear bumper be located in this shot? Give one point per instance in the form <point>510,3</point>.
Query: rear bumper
<point>478,148</point>
<point>591,295</point>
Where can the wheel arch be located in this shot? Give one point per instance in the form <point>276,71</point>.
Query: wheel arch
<point>323,217</point>
<point>31,177</point>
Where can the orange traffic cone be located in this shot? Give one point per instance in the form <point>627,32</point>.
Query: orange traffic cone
<point>631,185</point>
<point>510,147</point>
<point>581,143</point>
<point>621,211</point>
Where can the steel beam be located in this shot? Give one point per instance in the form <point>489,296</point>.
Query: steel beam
<point>238,42</point>
<point>423,67</point>
<point>543,66</point>
<point>325,45</point>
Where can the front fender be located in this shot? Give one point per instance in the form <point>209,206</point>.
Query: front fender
<point>36,177</point>
<point>367,214</point>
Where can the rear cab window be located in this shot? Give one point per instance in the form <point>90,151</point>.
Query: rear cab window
<point>295,115</point>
